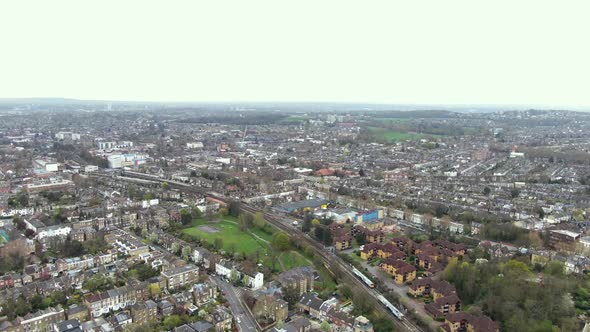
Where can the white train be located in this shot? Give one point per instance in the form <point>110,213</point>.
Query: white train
<point>390,306</point>
<point>366,280</point>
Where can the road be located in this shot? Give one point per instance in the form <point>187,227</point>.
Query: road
<point>246,322</point>
<point>335,264</point>
<point>331,261</point>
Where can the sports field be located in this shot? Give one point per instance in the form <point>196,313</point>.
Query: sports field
<point>394,136</point>
<point>228,231</point>
<point>248,242</point>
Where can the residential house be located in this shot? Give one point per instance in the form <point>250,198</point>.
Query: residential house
<point>204,293</point>
<point>564,240</point>
<point>77,312</point>
<point>310,304</point>
<point>301,278</point>
<point>251,277</point>
<point>120,320</point>
<point>340,320</point>
<point>41,321</point>
<point>457,249</point>
<point>70,325</point>
<point>343,242</point>
<point>165,307</point>
<point>225,268</point>
<point>369,250</point>
<point>184,300</point>
<point>144,311</point>
<point>204,257</point>
<point>221,318</point>
<point>427,286</point>
<point>115,299</point>
<point>465,322</point>
<point>202,326</point>
<point>180,276</point>
<point>428,262</point>
<point>390,250</point>
<point>371,236</point>
<point>362,324</point>
<point>456,228</point>
<point>268,308</point>
<point>297,324</point>
<point>444,305</point>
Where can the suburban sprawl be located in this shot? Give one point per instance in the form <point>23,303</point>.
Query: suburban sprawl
<point>292,218</point>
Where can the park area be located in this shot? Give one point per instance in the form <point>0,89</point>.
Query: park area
<point>393,135</point>
<point>225,233</point>
<point>232,238</point>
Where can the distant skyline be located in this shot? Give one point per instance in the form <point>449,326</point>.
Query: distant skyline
<point>463,52</point>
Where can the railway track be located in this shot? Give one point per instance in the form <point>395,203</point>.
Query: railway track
<point>333,262</point>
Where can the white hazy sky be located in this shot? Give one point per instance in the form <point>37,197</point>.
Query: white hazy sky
<point>456,51</point>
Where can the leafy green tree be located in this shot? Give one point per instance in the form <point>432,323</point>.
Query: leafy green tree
<point>172,321</point>
<point>223,212</point>
<point>382,324</point>
<point>281,241</point>
<point>323,234</point>
<point>516,268</point>
<point>291,295</point>
<point>145,272</point>
<point>218,243</point>
<point>98,282</point>
<point>259,220</point>
<point>185,217</point>
<point>96,245</point>
<point>154,290</point>
<point>325,326</point>
<point>245,221</point>
<point>362,304</point>
<point>37,302</point>
<point>22,306</point>
<point>361,238</point>
<point>234,208</point>
<point>233,277</point>
<point>72,248</point>
<point>186,253</point>
<point>555,268</point>
<point>346,291</point>
<point>306,226</point>
<point>58,297</point>
<point>175,247</point>
<point>196,213</point>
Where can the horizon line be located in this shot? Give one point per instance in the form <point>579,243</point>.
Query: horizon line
<point>368,103</point>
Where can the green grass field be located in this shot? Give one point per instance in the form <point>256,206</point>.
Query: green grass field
<point>394,136</point>
<point>249,242</point>
<point>292,259</point>
<point>230,234</point>
<point>294,119</point>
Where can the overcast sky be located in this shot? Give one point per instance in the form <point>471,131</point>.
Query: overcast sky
<point>444,52</point>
